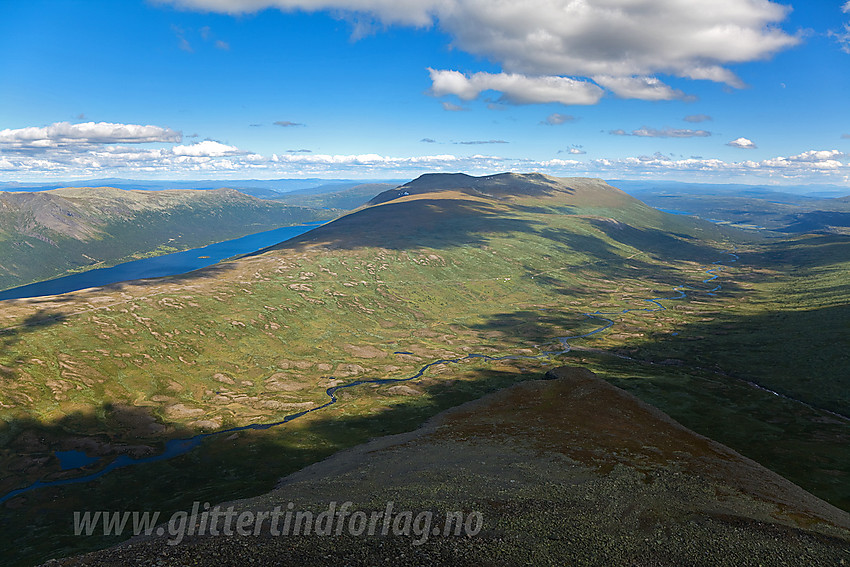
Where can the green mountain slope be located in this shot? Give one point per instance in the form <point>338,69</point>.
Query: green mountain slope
<point>442,273</point>
<point>46,234</point>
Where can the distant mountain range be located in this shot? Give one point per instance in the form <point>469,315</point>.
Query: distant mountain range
<point>790,209</point>
<point>340,197</point>
<point>260,188</point>
<point>815,191</point>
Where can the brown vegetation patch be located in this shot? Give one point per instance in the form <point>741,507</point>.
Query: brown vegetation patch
<point>364,351</point>
<point>283,382</point>
<point>207,424</point>
<point>404,390</point>
<point>223,378</point>
<point>343,370</point>
<point>181,411</point>
<point>277,405</point>
<point>300,364</point>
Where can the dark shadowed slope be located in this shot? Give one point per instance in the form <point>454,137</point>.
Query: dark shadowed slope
<point>504,185</point>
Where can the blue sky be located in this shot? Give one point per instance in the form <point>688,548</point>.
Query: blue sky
<point>728,90</point>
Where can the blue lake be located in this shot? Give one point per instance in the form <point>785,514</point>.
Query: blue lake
<point>167,265</point>
<point>673,211</point>
<point>74,459</point>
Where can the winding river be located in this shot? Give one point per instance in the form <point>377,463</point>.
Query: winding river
<point>177,447</point>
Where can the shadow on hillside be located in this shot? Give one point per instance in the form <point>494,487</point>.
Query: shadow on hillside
<point>609,260</point>
<point>552,283</point>
<point>499,186</point>
<point>815,221</point>
<point>801,355</point>
<point>449,223</point>
<point>569,241</point>
<point>798,352</point>
<point>29,445</point>
<point>832,296</point>
<point>810,251</point>
<point>227,467</point>
<point>663,244</point>
<point>537,327</point>
<point>546,209</point>
<point>39,320</point>
<point>209,272</point>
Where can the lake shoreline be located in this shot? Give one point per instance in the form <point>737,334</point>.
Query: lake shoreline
<point>173,264</point>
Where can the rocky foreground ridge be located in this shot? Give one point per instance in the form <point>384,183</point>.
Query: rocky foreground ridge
<point>564,471</point>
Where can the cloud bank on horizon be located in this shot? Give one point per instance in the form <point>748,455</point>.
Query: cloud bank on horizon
<point>47,150</point>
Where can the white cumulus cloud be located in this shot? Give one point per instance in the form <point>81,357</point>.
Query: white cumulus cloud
<point>843,38</point>
<point>813,165</point>
<point>556,119</point>
<point>666,132</point>
<point>670,133</point>
<point>452,107</point>
<point>515,88</point>
<point>409,12</point>
<point>87,133</point>
<point>813,159</point>
<point>742,143</point>
<point>623,43</point>
<point>643,88</point>
<point>207,148</point>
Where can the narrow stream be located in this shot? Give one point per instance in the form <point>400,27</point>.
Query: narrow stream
<point>177,447</point>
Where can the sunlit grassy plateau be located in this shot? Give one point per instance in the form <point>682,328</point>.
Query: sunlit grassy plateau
<point>498,266</point>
